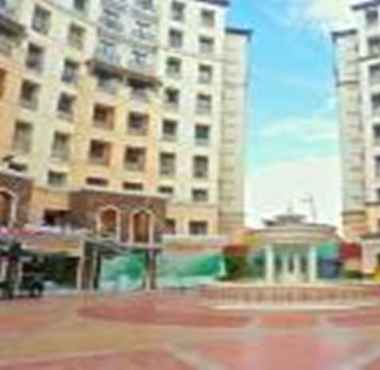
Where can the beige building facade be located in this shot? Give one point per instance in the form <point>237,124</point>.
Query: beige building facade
<point>136,106</point>
<point>358,89</point>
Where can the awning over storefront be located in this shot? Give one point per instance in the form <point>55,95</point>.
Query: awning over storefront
<point>45,241</point>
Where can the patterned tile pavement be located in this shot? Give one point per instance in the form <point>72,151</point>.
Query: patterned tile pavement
<point>168,332</point>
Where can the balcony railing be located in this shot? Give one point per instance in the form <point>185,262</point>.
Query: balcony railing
<point>143,68</point>
<point>6,46</point>
<point>31,104</point>
<point>202,141</point>
<point>108,86</point>
<point>60,156</point>
<point>141,35</point>
<point>108,57</point>
<point>172,107</point>
<point>139,95</point>
<point>167,171</point>
<point>65,115</point>
<point>169,137</point>
<point>134,166</point>
<point>138,131</point>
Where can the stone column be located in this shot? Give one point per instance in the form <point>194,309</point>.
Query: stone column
<point>284,266</point>
<point>313,265</point>
<point>269,264</point>
<point>297,267</point>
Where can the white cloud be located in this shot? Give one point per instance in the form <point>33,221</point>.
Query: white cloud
<point>321,14</point>
<point>306,130</point>
<point>273,188</point>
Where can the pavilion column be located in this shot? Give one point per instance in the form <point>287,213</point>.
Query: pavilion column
<point>297,266</point>
<point>313,264</point>
<point>269,264</point>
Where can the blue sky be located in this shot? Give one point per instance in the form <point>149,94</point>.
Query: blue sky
<point>293,131</point>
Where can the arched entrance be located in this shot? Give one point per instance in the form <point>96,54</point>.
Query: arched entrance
<point>108,223</point>
<point>6,208</point>
<point>142,227</point>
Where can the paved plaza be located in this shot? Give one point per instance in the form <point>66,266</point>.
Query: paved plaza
<point>172,332</point>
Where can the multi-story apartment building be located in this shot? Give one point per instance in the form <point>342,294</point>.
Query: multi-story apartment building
<point>126,117</point>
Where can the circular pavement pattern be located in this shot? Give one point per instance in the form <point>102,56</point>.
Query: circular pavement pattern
<point>165,311</point>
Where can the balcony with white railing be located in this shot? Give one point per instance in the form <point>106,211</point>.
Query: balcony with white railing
<point>6,46</point>
<point>144,9</point>
<point>147,69</point>
<point>11,30</point>
<point>108,57</point>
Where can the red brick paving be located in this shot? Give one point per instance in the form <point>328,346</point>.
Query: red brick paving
<point>286,352</point>
<point>165,312</point>
<point>287,321</point>
<point>257,342</point>
<point>357,319</point>
<point>375,365</point>
<point>139,360</point>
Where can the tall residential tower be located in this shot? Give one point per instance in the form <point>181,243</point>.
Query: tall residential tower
<point>126,117</point>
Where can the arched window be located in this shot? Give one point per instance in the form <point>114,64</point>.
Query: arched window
<point>142,227</point>
<point>6,205</point>
<point>108,225</point>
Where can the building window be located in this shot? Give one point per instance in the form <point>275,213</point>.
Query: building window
<point>75,37</point>
<point>22,138</point>
<point>204,104</point>
<point>375,104</point>
<point>65,108</point>
<point>18,167</point>
<point>377,166</point>
<point>166,190</point>
<point>200,167</point>
<point>167,164</point>
<point>372,17</point>
<point>172,99</point>
<point>169,130</point>
<point>198,228</point>
<point>138,124</point>
<point>145,4</point>
<point>175,39</point>
<point>139,90</point>
<point>374,46</point>
<point>35,58</point>
<point>70,72</point>
<point>178,11</point>
<point>41,20</point>
<point>133,186</point>
<point>206,45</point>
<point>143,31</point>
<point>97,181</point>
<point>80,5</point>
<point>378,196</point>
<point>55,217</point>
<point>107,51</point>
<point>57,179</point>
<point>61,147</point>
<point>205,74</point>
<point>173,67</point>
<point>3,76</point>
<point>29,95</point>
<point>103,117</point>
<point>207,18</point>
<point>376,135</point>
<point>100,153</point>
<point>107,82</point>
<point>202,135</point>
<point>200,196</point>
<point>139,59</point>
<point>170,226</point>
<point>135,159</point>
